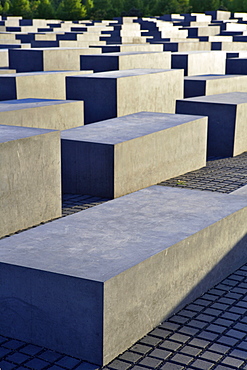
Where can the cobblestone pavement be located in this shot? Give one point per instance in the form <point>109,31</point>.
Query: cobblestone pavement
<point>209,333</point>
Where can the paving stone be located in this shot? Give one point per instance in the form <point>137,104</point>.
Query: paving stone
<point>208,335</point>
<point>235,334</point>
<point>141,348</point>
<point>242,345</point>
<point>199,343</point>
<point>182,359</point>
<point>238,353</point>
<point>36,364</point>
<point>160,353</point>
<point>161,333</point>
<point>119,365</point>
<point>188,313</point>
<point>171,366</point>
<point>220,348</point>
<point>13,344</point>
<point>223,322</point>
<point>203,317</point>
<point>212,311</point>
<point>17,358</point>
<point>188,330</point>
<point>222,367</point>
<point>194,307</point>
<point>130,356</point>
<point>31,349</point>
<point>236,363</point>
<point>4,365</point>
<point>169,325</point>
<point>216,328</point>
<point>50,356</point>
<point>150,362</point>
<point>211,356</point>
<point>55,367</point>
<point>189,350</point>
<point>68,362</point>
<point>87,366</point>
<point>4,352</point>
<point>227,340</point>
<point>170,345</point>
<point>180,337</point>
<point>230,315</point>
<point>179,319</point>
<point>202,365</point>
<point>150,340</point>
<point>198,324</point>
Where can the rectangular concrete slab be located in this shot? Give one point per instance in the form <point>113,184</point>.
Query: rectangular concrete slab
<point>121,279</point>
<point>127,60</point>
<point>213,84</point>
<point>30,187</point>
<point>118,156</point>
<point>227,134</point>
<point>118,93</point>
<point>42,113</point>
<point>48,59</point>
<point>200,62</point>
<point>41,85</point>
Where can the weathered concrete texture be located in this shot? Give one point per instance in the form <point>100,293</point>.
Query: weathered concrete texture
<point>30,188</point>
<point>227,134</point>
<point>229,46</point>
<point>42,113</point>
<point>40,85</point>
<point>118,93</point>
<point>4,58</point>
<point>158,241</point>
<point>127,60</point>
<point>48,59</point>
<point>187,46</point>
<point>118,156</point>
<point>130,47</point>
<point>200,62</point>
<point>213,84</point>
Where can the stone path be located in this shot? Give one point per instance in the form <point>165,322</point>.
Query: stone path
<point>209,333</point>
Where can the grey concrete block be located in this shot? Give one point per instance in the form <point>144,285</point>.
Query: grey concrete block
<point>118,93</point>
<point>158,241</point>
<point>128,60</point>
<point>48,59</point>
<point>42,113</point>
<point>30,188</point>
<point>213,84</point>
<point>41,85</point>
<point>200,62</point>
<point>226,113</point>
<point>118,156</point>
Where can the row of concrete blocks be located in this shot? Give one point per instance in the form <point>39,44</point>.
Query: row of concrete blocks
<point>93,283</point>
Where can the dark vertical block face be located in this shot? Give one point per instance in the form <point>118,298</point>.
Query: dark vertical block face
<point>87,168</point>
<point>99,63</point>
<point>194,88</point>
<point>56,311</point>
<point>180,62</point>
<point>236,66</point>
<point>8,88</point>
<point>99,96</point>
<point>26,60</point>
<point>221,125</point>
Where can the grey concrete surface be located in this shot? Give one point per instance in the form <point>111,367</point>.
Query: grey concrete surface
<point>213,84</point>
<point>118,93</point>
<point>42,113</point>
<point>40,85</point>
<point>152,233</point>
<point>48,59</point>
<point>129,153</point>
<point>226,122</point>
<point>30,173</point>
<point>200,62</point>
<point>125,60</point>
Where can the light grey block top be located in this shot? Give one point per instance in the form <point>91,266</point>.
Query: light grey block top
<point>9,105</point>
<point>132,126</point>
<point>241,191</point>
<point>31,74</point>
<point>103,241</point>
<point>10,133</point>
<point>123,73</point>
<point>210,77</point>
<point>122,53</point>
<point>227,98</point>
